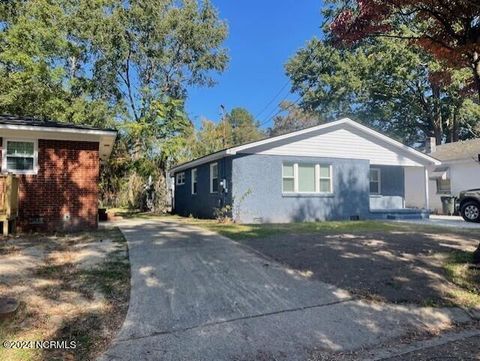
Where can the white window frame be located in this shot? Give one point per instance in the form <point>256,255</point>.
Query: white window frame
<point>439,191</point>
<point>211,177</point>
<point>379,177</point>
<point>317,178</point>
<point>5,169</point>
<point>180,179</point>
<point>295,171</point>
<point>194,176</point>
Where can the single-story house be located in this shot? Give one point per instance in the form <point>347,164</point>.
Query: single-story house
<point>338,170</point>
<point>58,165</point>
<point>460,169</point>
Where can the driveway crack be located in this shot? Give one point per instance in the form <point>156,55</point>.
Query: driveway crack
<point>243,318</point>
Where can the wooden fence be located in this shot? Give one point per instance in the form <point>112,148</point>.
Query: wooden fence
<point>8,202</point>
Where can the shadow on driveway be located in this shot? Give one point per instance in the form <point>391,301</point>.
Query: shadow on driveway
<point>395,266</point>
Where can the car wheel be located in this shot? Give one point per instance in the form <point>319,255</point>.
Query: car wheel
<point>471,212</point>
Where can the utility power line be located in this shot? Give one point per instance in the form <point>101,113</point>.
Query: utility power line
<point>273,99</point>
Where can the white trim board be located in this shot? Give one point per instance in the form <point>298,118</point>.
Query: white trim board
<point>106,139</point>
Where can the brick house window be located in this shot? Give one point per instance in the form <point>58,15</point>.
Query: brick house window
<point>20,156</point>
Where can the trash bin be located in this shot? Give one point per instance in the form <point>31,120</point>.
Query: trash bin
<point>102,214</point>
<point>448,205</point>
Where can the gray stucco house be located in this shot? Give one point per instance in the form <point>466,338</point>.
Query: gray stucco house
<point>334,171</point>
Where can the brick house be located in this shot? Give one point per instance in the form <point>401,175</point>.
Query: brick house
<point>58,165</point>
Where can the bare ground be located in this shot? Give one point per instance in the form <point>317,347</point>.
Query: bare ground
<point>392,266</point>
<point>71,287</point>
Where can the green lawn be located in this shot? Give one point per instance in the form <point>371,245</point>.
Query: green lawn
<point>244,231</point>
<point>458,271</point>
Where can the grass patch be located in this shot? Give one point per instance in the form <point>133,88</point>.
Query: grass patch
<point>247,231</point>
<point>256,231</point>
<point>459,272</point>
<point>250,231</point>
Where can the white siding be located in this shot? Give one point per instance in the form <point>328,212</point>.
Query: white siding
<point>415,188</point>
<point>343,143</point>
<point>463,176</point>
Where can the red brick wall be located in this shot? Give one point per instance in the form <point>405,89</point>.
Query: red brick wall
<point>64,193</point>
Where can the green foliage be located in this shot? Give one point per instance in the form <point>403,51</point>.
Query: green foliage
<point>244,128</point>
<point>293,118</point>
<point>107,63</point>
<point>385,84</point>
<point>238,127</point>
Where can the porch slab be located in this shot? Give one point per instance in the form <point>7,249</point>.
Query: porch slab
<point>403,213</point>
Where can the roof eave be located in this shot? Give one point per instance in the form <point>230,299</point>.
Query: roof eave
<point>35,128</point>
<point>209,158</point>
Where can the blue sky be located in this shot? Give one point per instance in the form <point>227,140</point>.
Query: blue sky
<point>263,35</point>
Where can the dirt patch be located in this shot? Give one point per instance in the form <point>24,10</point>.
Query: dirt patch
<point>457,343</point>
<point>71,288</point>
<point>394,266</point>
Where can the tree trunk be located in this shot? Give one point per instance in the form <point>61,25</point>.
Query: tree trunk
<point>437,114</point>
<point>454,131</point>
<point>476,72</point>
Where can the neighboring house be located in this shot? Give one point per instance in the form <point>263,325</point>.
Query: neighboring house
<point>58,166</point>
<point>338,170</point>
<point>460,170</point>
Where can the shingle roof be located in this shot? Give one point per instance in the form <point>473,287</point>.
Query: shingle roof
<point>34,122</point>
<point>459,150</point>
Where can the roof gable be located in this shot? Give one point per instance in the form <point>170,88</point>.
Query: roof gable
<point>315,145</point>
<point>342,139</point>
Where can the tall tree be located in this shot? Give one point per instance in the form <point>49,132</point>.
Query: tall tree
<point>448,30</point>
<point>244,127</point>
<point>103,62</point>
<point>146,49</point>
<point>146,54</point>
<point>292,118</point>
<point>235,128</point>
<point>38,76</point>
<point>386,85</point>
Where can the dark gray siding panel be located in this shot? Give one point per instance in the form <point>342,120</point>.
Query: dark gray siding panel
<point>257,191</point>
<point>392,189</point>
<point>202,204</point>
<point>392,180</point>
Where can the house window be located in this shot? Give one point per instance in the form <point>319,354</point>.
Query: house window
<point>443,186</point>
<point>306,178</point>
<point>20,156</point>
<point>375,181</point>
<point>288,176</point>
<point>325,178</point>
<point>180,179</point>
<point>194,181</point>
<point>214,178</point>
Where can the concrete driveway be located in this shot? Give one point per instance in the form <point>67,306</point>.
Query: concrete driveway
<point>199,296</point>
<point>445,221</point>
